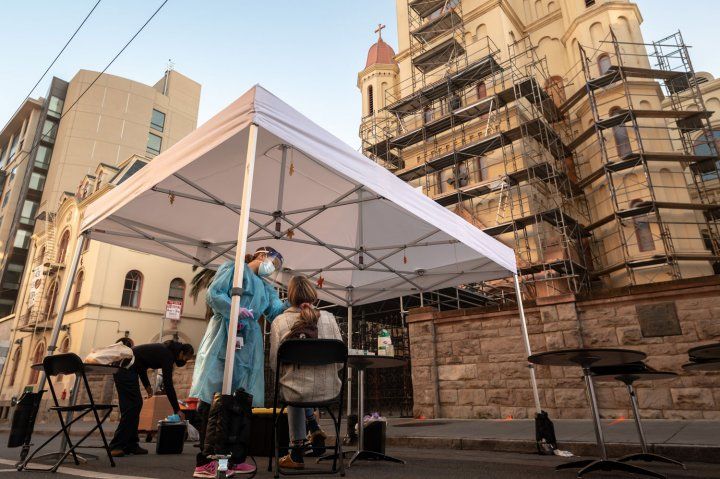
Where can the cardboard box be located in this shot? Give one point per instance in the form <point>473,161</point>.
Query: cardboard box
<point>154,409</point>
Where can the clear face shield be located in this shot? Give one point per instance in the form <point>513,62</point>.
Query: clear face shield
<point>271,264</point>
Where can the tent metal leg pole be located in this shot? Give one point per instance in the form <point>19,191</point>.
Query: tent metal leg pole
<point>69,279</point>
<point>526,340</point>
<point>240,258</point>
<point>349,371</point>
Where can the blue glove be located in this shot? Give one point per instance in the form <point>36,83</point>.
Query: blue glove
<point>173,418</point>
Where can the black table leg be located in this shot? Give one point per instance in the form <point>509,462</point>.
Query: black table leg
<point>644,456</point>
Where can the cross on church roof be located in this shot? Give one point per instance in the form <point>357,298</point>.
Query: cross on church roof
<point>379,30</point>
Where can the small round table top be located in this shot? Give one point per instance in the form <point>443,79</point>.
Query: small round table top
<point>89,368</point>
<point>586,357</point>
<point>630,378</point>
<point>708,351</point>
<point>711,365</point>
<point>375,362</point>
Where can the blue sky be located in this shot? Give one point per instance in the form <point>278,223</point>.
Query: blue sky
<point>306,52</point>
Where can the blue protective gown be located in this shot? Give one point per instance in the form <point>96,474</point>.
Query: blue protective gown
<point>248,371</point>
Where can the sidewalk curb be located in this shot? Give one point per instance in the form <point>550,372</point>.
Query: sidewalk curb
<point>684,452</point>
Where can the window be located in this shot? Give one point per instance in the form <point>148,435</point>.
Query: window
<point>707,240</point>
<point>371,101</point>
<point>556,89</point>
<point>157,120</point>
<point>427,114</point>
<point>710,147</point>
<point>22,239</point>
<point>589,3</point>
<point>177,290</point>
<point>64,348</point>
<point>13,146</point>
<point>78,288</point>
<point>15,365</point>
<point>455,102</point>
<point>42,158</point>
<point>37,181</point>
<point>27,215</point>
<point>50,300</point>
<point>49,130</point>
<point>13,275</point>
<point>6,198</point>
<point>604,63</point>
<point>63,246</point>
<point>55,107</point>
<point>12,174</point>
<point>481,90</point>
<point>622,138</point>
<point>643,233</point>
<point>99,181</point>
<point>132,289</point>
<point>134,168</point>
<point>154,144</point>
<point>482,168</point>
<point>37,358</point>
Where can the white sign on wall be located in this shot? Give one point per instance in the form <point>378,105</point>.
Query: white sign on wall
<point>173,310</point>
<point>35,284</point>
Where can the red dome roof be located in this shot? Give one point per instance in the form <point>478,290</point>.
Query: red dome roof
<point>381,53</point>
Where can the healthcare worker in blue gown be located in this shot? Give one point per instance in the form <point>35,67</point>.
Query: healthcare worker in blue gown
<point>258,299</point>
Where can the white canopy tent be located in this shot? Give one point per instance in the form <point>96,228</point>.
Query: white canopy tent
<point>337,217</point>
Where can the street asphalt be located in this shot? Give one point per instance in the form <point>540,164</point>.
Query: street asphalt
<point>421,463</point>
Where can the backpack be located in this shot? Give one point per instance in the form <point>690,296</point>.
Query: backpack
<point>228,425</point>
<point>114,355</point>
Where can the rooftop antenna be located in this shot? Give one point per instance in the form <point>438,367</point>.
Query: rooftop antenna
<point>170,67</point>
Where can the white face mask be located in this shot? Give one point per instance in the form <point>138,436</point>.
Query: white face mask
<point>266,268</point>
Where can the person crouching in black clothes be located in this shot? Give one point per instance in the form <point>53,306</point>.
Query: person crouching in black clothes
<point>162,356</point>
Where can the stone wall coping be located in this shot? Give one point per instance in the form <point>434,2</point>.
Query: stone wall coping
<point>695,287</point>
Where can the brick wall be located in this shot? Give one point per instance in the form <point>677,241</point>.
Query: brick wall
<point>473,363</point>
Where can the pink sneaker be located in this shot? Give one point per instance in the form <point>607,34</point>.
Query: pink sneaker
<point>208,470</point>
<point>244,468</point>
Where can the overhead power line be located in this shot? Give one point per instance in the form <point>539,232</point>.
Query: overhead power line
<point>62,50</point>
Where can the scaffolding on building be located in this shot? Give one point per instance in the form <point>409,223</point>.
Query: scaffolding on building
<point>653,218</point>
<point>583,187</point>
<point>486,137</point>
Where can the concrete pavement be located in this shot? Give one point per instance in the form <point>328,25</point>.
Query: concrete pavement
<point>421,464</point>
<point>697,440</point>
<point>691,440</point>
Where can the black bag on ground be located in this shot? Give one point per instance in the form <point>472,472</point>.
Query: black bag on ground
<point>545,434</point>
<point>229,423</point>
<point>170,437</point>
<point>23,421</point>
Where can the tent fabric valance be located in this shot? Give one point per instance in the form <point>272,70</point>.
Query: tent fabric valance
<point>361,233</point>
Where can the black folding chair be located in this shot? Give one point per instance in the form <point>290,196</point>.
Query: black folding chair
<point>311,352</point>
<point>71,364</point>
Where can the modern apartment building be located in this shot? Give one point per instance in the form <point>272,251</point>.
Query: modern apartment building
<point>51,143</point>
<point>555,128</point>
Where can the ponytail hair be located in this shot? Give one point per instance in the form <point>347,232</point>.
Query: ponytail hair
<point>302,295</point>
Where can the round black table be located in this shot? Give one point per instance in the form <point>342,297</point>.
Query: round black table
<point>704,353</point>
<point>362,363</point>
<point>90,369</point>
<point>709,365</point>
<point>586,358</point>
<point>628,375</point>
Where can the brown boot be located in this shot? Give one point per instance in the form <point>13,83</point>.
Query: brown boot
<point>286,462</point>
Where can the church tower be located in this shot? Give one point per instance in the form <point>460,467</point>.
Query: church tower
<point>378,81</point>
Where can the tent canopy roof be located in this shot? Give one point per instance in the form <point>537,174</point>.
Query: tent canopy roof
<point>333,213</point>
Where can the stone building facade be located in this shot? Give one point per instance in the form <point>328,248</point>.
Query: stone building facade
<point>475,367</point>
